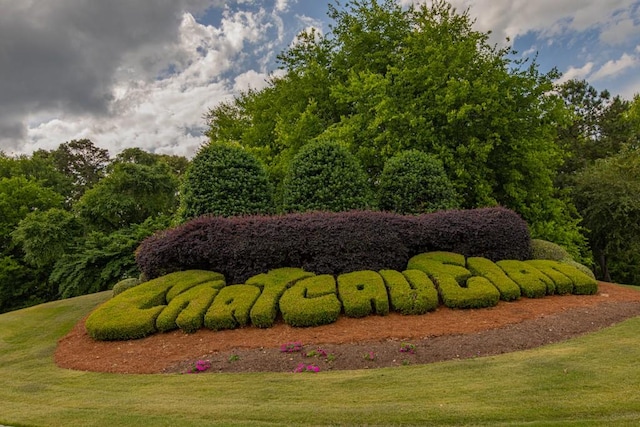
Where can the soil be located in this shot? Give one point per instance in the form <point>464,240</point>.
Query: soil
<point>366,343</point>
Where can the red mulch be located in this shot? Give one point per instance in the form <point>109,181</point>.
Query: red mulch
<point>441,335</point>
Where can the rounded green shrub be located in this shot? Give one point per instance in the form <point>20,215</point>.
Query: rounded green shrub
<point>543,249</point>
<point>225,180</point>
<point>325,176</point>
<point>125,284</point>
<point>414,182</point>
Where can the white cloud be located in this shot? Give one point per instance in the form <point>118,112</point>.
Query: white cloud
<point>165,114</point>
<point>512,18</point>
<point>619,31</point>
<point>613,67</point>
<point>576,73</point>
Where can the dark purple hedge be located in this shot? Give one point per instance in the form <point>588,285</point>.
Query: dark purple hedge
<point>333,243</point>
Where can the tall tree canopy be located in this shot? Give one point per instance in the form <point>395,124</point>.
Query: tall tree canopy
<point>386,79</point>
<point>608,196</point>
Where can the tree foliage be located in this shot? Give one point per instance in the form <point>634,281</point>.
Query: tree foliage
<point>414,182</point>
<point>598,127</point>
<point>44,236</point>
<point>82,161</point>
<point>386,79</point>
<point>325,176</point>
<point>607,195</point>
<point>224,179</point>
<point>130,194</point>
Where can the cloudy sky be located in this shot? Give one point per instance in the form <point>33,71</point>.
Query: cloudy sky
<point>143,73</point>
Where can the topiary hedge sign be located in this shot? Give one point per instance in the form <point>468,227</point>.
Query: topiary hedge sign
<point>190,300</point>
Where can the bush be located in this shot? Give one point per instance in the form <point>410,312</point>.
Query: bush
<point>231,307</point>
<point>542,249</point>
<point>186,310</point>
<point>563,284</point>
<point>133,314</point>
<point>330,243</point>
<point>311,302</point>
<point>410,292</point>
<point>226,180</point>
<point>493,233</point>
<point>583,268</point>
<point>532,282</point>
<point>273,284</point>
<point>583,284</point>
<point>325,176</point>
<point>125,284</point>
<point>436,264</point>
<point>413,182</point>
<point>455,285</point>
<point>483,267</point>
<point>363,293</point>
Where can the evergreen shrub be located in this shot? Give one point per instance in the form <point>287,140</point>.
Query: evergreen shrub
<point>543,249</point>
<point>414,182</point>
<point>325,176</point>
<point>231,307</point>
<point>133,314</point>
<point>186,310</point>
<point>532,282</point>
<point>509,290</point>
<point>226,180</point>
<point>563,284</point>
<point>456,287</point>
<point>311,302</point>
<point>273,284</point>
<point>583,268</point>
<point>331,243</point>
<point>477,292</point>
<point>410,292</point>
<point>583,284</point>
<point>363,293</point>
<point>125,284</point>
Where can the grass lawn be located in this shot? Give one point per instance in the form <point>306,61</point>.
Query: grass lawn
<point>592,380</point>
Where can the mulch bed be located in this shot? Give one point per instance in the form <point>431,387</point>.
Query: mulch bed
<point>352,343</point>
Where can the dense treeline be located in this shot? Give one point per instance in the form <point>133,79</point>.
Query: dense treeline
<point>71,218</point>
<point>407,110</point>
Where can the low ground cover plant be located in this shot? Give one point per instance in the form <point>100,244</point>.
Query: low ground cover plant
<point>192,299</point>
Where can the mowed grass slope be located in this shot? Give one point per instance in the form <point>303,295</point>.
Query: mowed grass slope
<point>591,380</point>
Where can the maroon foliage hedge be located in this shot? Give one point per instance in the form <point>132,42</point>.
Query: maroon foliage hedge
<point>330,243</point>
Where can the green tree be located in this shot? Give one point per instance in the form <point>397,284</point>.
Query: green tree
<point>101,260</point>
<point>21,284</point>
<point>177,164</point>
<point>130,194</point>
<point>607,195</point>
<point>386,79</point>
<point>37,167</point>
<point>597,127</point>
<point>82,161</point>
<point>414,182</point>
<point>44,236</point>
<point>224,179</point>
<point>325,176</point>
<point>18,197</point>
